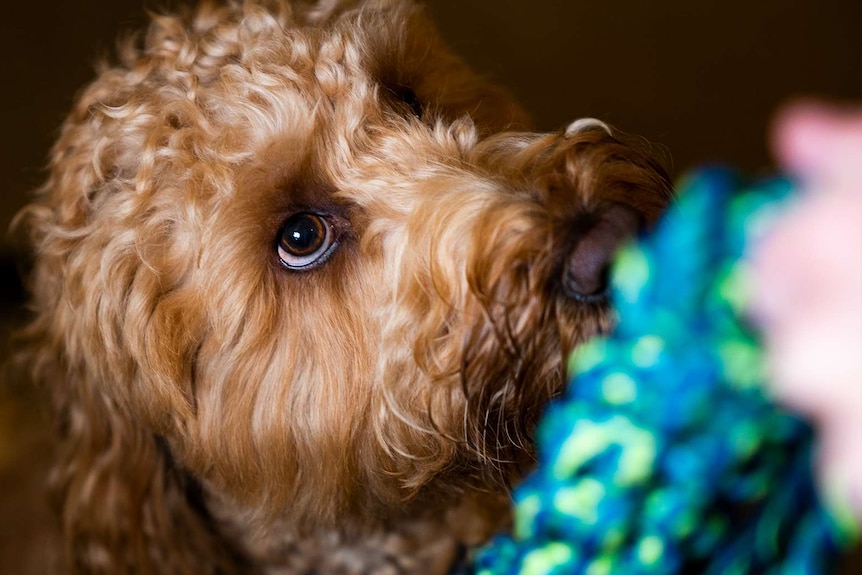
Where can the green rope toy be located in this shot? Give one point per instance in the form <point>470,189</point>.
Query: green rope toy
<point>666,456</point>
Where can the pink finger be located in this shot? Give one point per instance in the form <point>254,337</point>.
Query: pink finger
<point>819,142</point>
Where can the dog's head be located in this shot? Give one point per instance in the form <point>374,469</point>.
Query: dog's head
<point>305,256</point>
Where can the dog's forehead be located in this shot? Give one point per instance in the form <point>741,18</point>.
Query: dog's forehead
<point>205,94</point>
<point>384,41</point>
<point>294,79</point>
<point>311,92</point>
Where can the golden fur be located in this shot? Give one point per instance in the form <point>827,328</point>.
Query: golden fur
<point>218,413</point>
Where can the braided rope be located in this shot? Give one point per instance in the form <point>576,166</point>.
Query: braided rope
<point>666,456</point>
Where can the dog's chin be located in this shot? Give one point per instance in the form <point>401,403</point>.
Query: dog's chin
<point>437,478</point>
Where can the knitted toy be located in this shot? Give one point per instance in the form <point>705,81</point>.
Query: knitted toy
<point>666,456</point>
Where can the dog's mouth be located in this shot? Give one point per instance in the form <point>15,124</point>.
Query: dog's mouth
<point>533,314</point>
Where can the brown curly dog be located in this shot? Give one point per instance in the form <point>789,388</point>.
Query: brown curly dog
<point>302,286</point>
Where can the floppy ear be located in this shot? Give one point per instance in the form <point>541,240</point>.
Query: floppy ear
<point>123,505</point>
<point>411,53</point>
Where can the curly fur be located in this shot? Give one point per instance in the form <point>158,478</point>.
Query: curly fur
<point>220,414</point>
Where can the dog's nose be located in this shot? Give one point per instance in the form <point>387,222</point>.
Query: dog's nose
<point>585,268</point>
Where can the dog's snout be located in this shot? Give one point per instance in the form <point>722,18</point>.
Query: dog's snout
<point>586,265</point>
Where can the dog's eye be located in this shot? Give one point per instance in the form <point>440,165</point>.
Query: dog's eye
<point>306,241</point>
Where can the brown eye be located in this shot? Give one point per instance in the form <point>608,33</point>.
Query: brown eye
<point>306,241</point>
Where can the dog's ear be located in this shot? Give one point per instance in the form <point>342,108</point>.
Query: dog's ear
<point>123,505</point>
<point>410,56</point>
<point>125,508</point>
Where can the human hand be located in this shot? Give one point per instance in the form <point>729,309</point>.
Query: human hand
<point>808,288</point>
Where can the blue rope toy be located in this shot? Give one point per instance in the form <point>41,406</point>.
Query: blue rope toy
<point>666,456</point>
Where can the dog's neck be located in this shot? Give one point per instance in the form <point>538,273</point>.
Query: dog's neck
<point>416,542</point>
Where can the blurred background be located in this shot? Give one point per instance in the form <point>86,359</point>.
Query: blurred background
<point>702,78</point>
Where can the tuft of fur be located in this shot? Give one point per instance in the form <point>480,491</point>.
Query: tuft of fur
<point>217,413</point>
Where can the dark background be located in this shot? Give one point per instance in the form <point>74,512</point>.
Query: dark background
<point>701,77</point>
